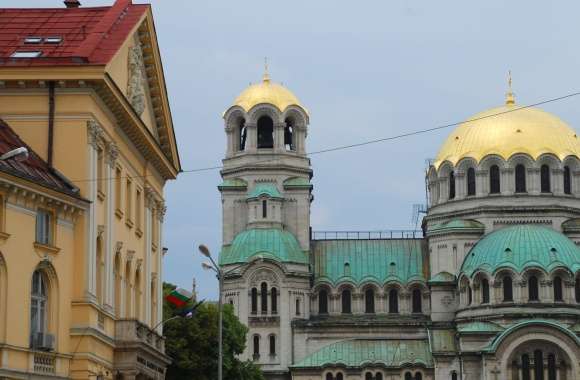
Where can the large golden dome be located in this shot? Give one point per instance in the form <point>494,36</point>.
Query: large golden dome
<point>506,131</point>
<point>267,92</point>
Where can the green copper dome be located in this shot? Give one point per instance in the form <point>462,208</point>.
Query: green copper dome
<point>520,247</point>
<point>268,243</point>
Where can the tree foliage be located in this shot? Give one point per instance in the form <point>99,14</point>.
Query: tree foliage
<point>192,344</point>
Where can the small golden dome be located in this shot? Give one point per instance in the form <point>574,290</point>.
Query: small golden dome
<point>506,131</point>
<point>267,92</point>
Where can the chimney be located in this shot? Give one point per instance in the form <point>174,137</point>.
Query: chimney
<point>72,3</point>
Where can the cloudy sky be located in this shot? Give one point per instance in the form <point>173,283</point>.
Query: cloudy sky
<point>365,70</point>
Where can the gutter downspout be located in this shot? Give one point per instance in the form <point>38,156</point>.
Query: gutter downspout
<point>50,123</point>
<point>431,347</point>
<point>460,356</point>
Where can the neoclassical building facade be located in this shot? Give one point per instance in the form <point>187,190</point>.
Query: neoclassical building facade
<point>489,289</point>
<point>81,265</point>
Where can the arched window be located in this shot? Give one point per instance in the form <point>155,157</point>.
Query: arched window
<point>323,302</point>
<point>254,301</point>
<point>100,272</point>
<point>369,376</point>
<point>408,376</point>
<point>264,209</point>
<point>138,294</point>
<point>484,291</point>
<point>552,367</point>
<point>118,285</point>
<point>418,376</point>
<point>451,185</point>
<point>393,301</point>
<point>533,294</point>
<point>469,295</point>
<point>538,365</point>
<point>256,347</point>
<point>494,181</point>
<point>453,375</point>
<point>346,301</point>
<point>369,301</point>
<point>297,306</point>
<point>339,376</point>
<point>38,306</point>
<point>378,376</point>
<point>545,179</point>
<point>264,297</point>
<point>508,292</point>
<point>243,134</point>
<point>470,181</point>
<point>520,178</point>
<point>558,294</point>
<point>274,300</point>
<point>525,367</point>
<point>577,289</point>
<point>567,181</point>
<point>289,135</point>
<point>128,291</point>
<point>329,376</point>
<point>265,133</point>
<point>272,345</point>
<point>417,307</point>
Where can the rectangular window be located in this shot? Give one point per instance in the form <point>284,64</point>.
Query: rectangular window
<point>118,191</point>
<point>44,227</point>
<point>138,209</point>
<point>128,200</point>
<point>100,171</point>
<point>264,209</point>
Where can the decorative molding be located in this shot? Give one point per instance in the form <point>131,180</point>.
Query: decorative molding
<point>150,201</point>
<point>119,246</point>
<point>135,91</point>
<point>95,133</point>
<point>100,230</point>
<point>112,153</point>
<point>130,255</point>
<point>262,275</point>
<point>161,210</point>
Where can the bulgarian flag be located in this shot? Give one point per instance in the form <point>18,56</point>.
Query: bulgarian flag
<point>179,297</point>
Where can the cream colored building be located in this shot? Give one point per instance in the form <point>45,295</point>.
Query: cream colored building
<point>84,89</point>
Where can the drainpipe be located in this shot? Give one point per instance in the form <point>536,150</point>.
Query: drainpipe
<point>458,343</point>
<point>50,122</point>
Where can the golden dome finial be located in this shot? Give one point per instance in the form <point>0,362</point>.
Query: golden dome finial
<point>509,96</point>
<point>266,76</point>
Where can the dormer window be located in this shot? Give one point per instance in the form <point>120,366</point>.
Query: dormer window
<point>33,40</point>
<point>53,40</point>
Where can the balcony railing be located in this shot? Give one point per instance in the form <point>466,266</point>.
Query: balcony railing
<point>131,330</point>
<point>366,235</point>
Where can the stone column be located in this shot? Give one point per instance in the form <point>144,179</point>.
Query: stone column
<point>533,181</point>
<point>557,181</point>
<point>252,137</point>
<point>460,185</point>
<point>443,189</point>
<point>279,137</point>
<point>150,205</point>
<point>95,133</point>
<point>481,183</point>
<point>507,179</point>
<point>112,155</point>
<point>230,141</point>
<point>160,254</point>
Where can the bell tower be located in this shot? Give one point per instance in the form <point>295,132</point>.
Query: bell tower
<point>266,195</point>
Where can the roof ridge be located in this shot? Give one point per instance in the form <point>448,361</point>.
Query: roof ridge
<point>102,28</point>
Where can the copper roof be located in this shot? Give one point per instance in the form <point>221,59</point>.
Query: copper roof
<point>33,169</point>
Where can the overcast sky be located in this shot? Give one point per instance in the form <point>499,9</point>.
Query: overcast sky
<point>364,70</point>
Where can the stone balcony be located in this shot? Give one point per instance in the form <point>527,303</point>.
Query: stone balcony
<point>139,351</point>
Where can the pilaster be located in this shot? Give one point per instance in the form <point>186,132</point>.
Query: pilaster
<point>112,156</point>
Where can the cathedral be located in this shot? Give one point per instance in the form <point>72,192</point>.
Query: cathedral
<point>489,289</point>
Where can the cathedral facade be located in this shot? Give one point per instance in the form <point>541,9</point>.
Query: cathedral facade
<point>489,289</point>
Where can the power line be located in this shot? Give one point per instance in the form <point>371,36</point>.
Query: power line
<point>373,141</point>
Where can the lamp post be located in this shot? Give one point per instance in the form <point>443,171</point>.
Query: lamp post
<point>212,265</point>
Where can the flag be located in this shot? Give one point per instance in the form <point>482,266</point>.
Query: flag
<point>190,311</point>
<point>179,297</point>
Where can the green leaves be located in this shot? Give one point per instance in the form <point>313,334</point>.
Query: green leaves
<point>192,343</point>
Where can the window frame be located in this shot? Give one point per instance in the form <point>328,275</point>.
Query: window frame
<point>49,238</point>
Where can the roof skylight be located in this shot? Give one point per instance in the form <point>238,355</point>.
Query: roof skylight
<point>53,40</point>
<point>26,54</point>
<point>32,40</point>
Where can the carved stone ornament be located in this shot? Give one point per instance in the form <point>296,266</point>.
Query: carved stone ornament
<point>150,201</point>
<point>135,92</point>
<point>112,153</point>
<point>130,255</point>
<point>161,210</point>
<point>446,300</point>
<point>118,246</point>
<point>95,133</point>
<point>264,275</point>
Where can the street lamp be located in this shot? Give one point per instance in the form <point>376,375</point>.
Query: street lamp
<point>212,265</point>
<point>19,154</point>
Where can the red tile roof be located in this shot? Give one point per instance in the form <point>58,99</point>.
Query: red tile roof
<point>34,168</point>
<point>90,35</point>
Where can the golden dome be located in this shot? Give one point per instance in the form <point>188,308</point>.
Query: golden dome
<point>506,131</point>
<point>267,92</point>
